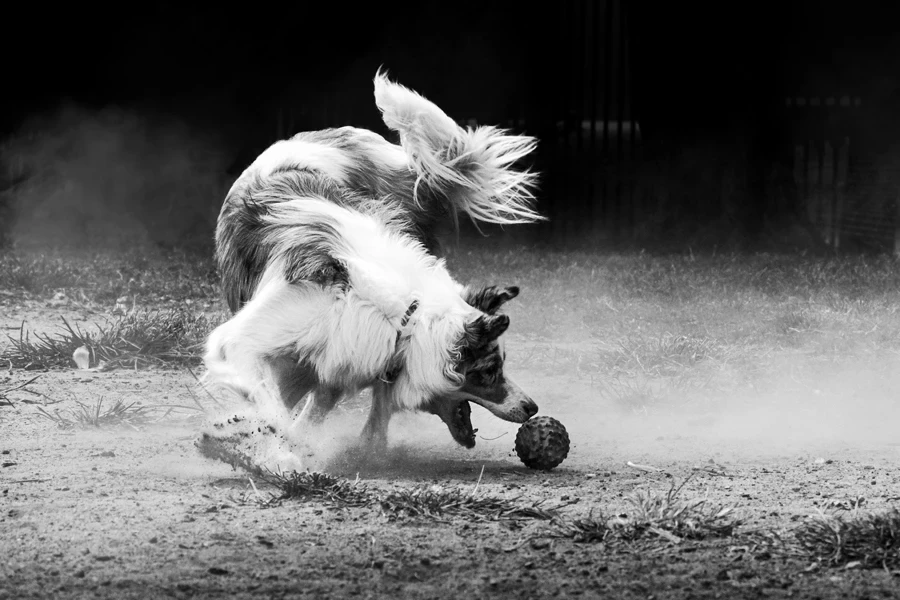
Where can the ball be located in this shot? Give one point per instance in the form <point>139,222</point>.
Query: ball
<point>542,443</point>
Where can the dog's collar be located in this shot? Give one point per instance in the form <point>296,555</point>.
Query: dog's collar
<point>390,375</point>
<point>413,306</point>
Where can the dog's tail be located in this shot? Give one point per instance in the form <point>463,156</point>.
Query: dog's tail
<point>473,168</point>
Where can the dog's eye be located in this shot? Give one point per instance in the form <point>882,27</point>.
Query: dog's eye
<point>485,378</point>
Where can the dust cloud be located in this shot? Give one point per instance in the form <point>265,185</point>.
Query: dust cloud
<point>835,401</point>
<point>811,406</point>
<point>801,407</point>
<point>113,177</point>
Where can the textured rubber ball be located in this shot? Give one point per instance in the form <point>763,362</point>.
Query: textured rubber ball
<point>542,443</point>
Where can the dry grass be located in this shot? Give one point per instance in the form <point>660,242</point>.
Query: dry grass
<point>672,517</point>
<point>438,501</point>
<point>864,539</point>
<point>664,515</point>
<point>590,529</point>
<point>425,502</point>
<point>796,321</point>
<point>685,276</point>
<point>119,414</point>
<point>662,355</point>
<point>103,276</point>
<point>137,339</point>
<point>5,391</point>
<point>316,487</point>
<point>421,502</point>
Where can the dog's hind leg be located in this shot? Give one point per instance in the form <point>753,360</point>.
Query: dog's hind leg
<point>254,347</point>
<point>375,432</point>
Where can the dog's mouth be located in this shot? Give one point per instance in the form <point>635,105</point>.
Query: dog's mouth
<point>456,413</point>
<point>506,401</point>
<point>460,425</point>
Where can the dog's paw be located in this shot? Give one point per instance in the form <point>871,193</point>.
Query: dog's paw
<point>280,459</point>
<point>251,442</point>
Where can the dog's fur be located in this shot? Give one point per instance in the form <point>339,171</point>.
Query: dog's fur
<point>326,246</point>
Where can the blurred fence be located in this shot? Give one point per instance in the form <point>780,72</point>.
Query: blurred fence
<point>603,179</point>
<point>594,158</point>
<point>849,195</point>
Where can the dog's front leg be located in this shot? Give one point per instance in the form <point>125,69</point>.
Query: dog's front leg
<point>375,432</point>
<point>294,381</point>
<point>317,407</point>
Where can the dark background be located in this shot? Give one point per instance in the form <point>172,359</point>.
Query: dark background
<point>185,97</point>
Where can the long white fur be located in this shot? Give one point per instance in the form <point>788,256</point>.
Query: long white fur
<point>436,146</point>
<point>349,336</point>
<point>331,161</point>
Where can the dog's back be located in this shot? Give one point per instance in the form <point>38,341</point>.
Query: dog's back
<point>418,187</point>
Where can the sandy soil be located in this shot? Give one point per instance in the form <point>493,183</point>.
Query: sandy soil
<point>137,512</point>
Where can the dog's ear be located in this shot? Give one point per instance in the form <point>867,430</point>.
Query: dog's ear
<point>318,268</point>
<point>484,330</point>
<point>489,299</point>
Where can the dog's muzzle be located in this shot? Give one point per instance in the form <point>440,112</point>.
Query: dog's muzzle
<point>507,401</point>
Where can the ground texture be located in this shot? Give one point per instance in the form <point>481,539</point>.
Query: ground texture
<point>726,414</point>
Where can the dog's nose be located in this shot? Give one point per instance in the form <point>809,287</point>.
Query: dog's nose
<point>531,409</point>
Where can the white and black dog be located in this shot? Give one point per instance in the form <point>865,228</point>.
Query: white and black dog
<point>327,248</point>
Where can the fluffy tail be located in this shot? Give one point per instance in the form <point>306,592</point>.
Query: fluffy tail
<point>473,168</point>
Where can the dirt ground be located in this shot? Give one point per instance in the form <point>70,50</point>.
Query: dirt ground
<point>137,512</point>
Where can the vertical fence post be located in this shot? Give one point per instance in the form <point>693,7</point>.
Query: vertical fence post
<point>897,222</point>
<point>609,197</point>
<point>593,192</point>
<point>620,119</point>
<point>595,175</point>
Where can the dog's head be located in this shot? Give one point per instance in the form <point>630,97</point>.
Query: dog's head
<point>482,356</point>
<point>479,366</point>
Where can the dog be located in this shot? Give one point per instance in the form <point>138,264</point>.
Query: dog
<point>341,230</point>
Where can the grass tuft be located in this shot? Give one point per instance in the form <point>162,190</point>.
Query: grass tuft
<point>796,322</point>
<point>137,339</point>
<point>121,413</point>
<point>437,501</point>
<point>666,354</point>
<point>587,530</point>
<point>666,516</point>
<point>869,540</point>
<point>669,516</point>
<point>314,486</point>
